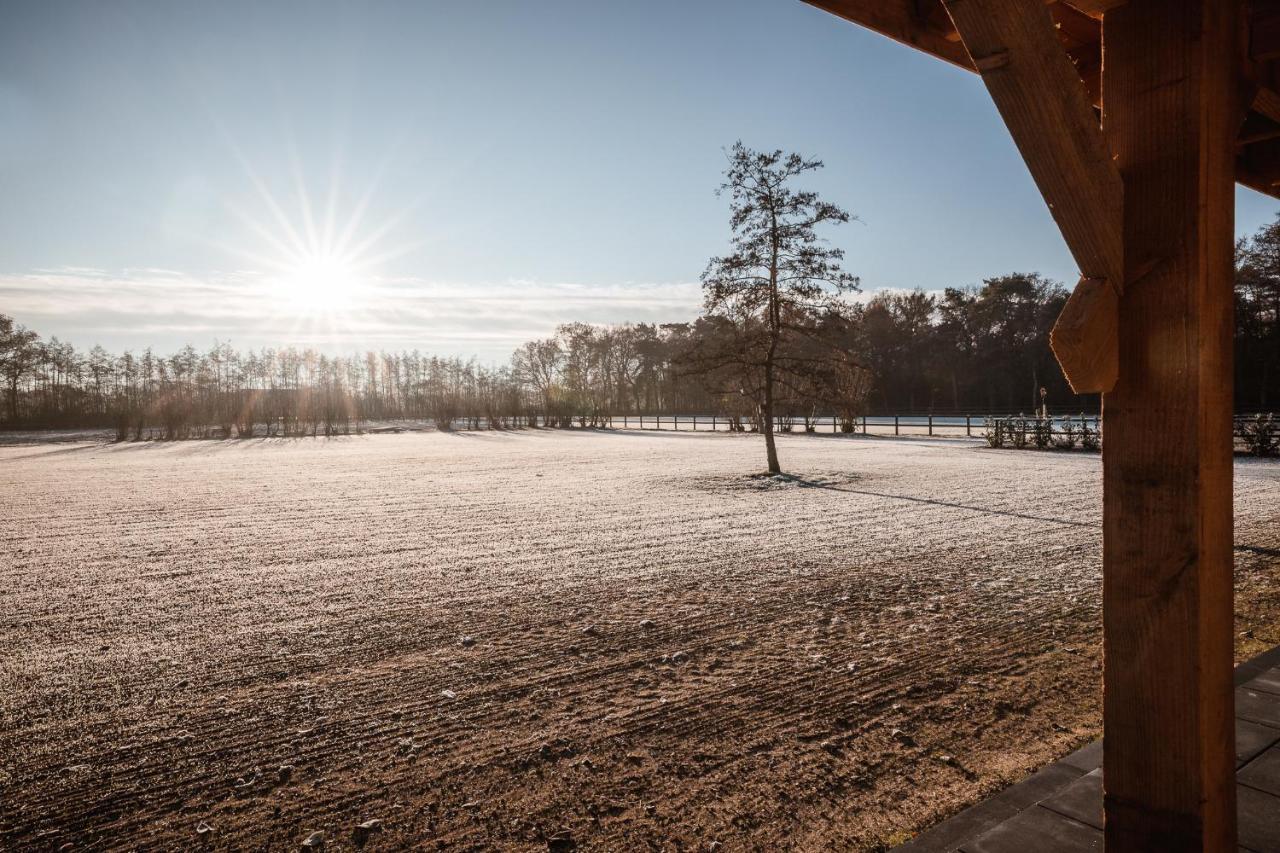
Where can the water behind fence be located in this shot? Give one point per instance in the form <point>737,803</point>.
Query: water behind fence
<point>937,426</point>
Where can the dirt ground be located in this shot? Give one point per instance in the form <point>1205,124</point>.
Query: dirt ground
<point>614,641</point>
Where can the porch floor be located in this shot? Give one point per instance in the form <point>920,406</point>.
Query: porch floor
<point>1059,808</point>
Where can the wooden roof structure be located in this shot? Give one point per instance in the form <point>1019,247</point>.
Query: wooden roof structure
<point>1136,118</point>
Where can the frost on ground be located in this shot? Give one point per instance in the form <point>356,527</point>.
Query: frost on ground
<point>614,640</point>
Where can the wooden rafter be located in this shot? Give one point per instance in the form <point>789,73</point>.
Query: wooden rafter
<point>1078,24</point>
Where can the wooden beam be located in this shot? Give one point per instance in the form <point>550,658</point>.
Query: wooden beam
<point>1096,8</point>
<point>1264,32</point>
<point>1266,103</point>
<point>913,22</point>
<point>1172,100</point>
<point>903,21</point>
<point>1040,96</point>
<point>1085,338</point>
<point>1258,167</point>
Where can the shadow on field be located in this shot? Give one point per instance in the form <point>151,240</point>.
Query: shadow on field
<point>837,487</point>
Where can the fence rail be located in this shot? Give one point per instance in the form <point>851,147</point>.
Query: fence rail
<point>937,426</point>
<point>1258,434</point>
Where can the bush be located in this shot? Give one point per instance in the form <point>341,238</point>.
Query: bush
<point>1066,436</point>
<point>1042,432</point>
<point>1261,434</point>
<point>1018,431</point>
<point>994,432</point>
<point>1090,438</point>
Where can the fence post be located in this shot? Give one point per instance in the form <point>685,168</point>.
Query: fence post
<point>895,424</point>
<point>930,424</point>
<point>968,425</point>
<point>864,424</point>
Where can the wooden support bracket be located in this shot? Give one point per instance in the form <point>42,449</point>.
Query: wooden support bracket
<point>1085,338</point>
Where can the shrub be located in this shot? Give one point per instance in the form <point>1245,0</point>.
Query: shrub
<point>1042,432</point>
<point>1261,435</point>
<point>1090,438</point>
<point>994,432</point>
<point>1066,436</point>
<point>1018,427</point>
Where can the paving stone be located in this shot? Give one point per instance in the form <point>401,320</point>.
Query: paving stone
<point>1059,809</point>
<point>1263,773</point>
<point>1267,682</point>
<point>1086,758</point>
<point>1252,669</point>
<point>974,821</point>
<point>970,823</point>
<point>1252,739</point>
<point>1258,707</point>
<point>1258,820</point>
<point>1040,830</point>
<point>1081,800</point>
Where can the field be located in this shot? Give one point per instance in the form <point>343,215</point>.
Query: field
<point>538,640</point>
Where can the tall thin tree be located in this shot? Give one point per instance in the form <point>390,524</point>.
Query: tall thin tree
<point>781,276</point>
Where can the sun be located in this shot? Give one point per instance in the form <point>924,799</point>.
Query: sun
<point>320,283</point>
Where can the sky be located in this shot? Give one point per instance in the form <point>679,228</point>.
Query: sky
<point>458,177</point>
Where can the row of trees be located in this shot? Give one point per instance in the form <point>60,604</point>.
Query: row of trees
<point>779,338</point>
<point>982,350</point>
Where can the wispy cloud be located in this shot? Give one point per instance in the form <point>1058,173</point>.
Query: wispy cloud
<point>167,308</point>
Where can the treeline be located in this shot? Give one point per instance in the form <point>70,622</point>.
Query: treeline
<point>582,374</point>
<point>982,351</point>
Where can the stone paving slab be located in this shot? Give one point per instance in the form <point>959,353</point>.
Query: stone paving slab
<point>1058,809</point>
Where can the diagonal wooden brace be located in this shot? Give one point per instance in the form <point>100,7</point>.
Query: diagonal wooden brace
<point>1044,103</point>
<point>1085,338</point>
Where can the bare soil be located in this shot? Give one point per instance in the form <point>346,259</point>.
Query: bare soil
<point>533,640</point>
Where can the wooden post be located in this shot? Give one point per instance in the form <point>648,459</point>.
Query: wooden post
<point>1171,112</point>
<point>968,425</point>
<point>930,424</point>
<point>895,424</point>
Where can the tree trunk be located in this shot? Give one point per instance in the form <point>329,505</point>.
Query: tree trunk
<point>766,416</point>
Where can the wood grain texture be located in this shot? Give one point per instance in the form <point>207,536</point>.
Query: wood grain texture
<point>1085,337</point>
<point>1171,78</point>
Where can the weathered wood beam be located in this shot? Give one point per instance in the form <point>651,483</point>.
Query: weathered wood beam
<point>1171,76</point>
<point>1041,98</point>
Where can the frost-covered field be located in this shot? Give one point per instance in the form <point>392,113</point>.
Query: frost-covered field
<point>617,640</point>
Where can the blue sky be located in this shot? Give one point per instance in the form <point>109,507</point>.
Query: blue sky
<point>496,168</point>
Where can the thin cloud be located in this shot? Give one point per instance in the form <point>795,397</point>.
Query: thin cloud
<point>136,308</point>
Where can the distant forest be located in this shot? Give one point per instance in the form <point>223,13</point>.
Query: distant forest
<point>980,351</point>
